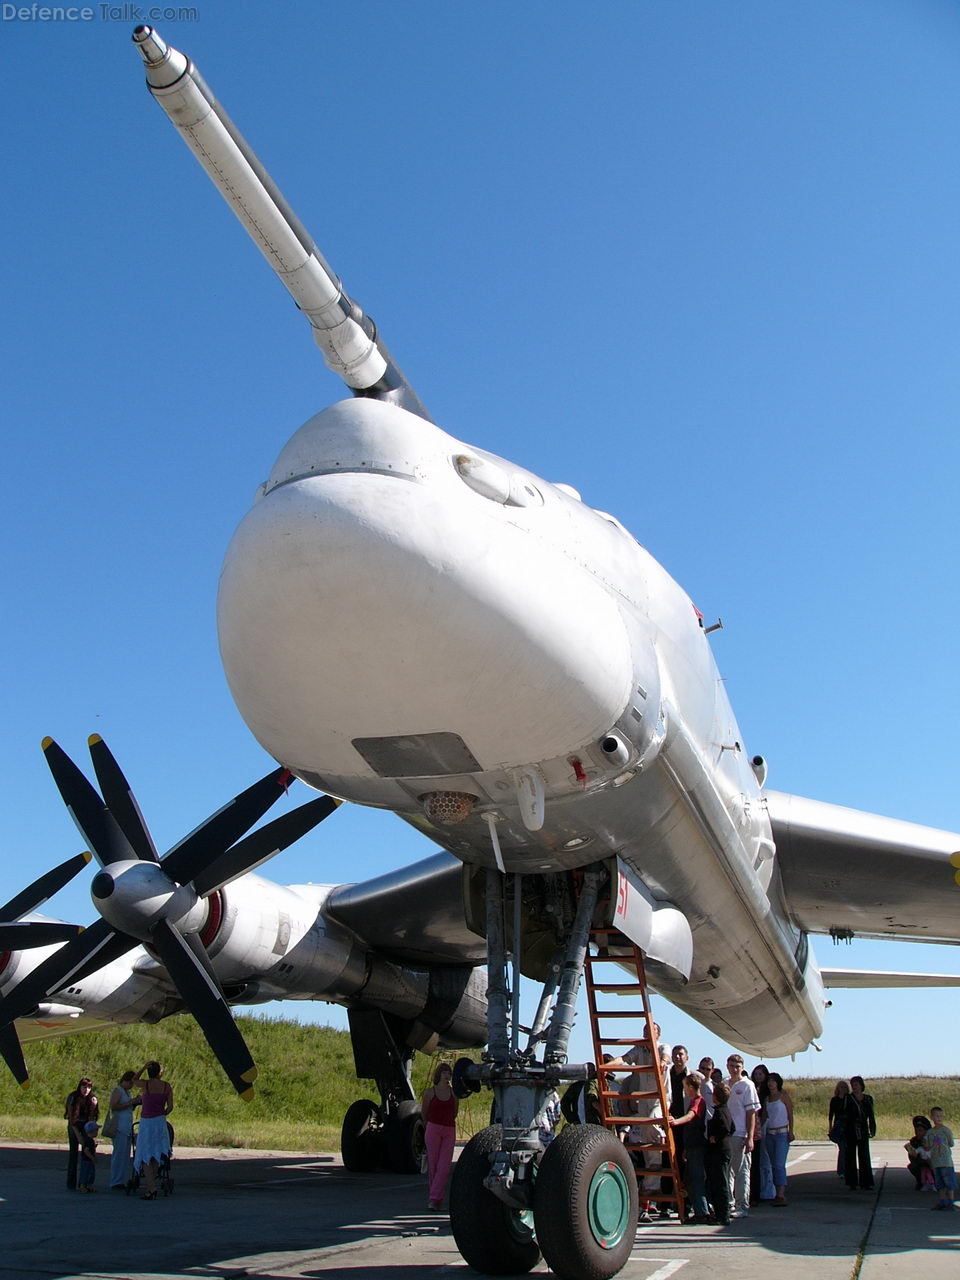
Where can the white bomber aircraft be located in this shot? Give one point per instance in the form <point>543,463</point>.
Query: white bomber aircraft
<point>409,622</point>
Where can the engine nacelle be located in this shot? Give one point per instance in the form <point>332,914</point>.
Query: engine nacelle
<point>269,942</point>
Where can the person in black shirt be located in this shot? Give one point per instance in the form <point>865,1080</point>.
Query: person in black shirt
<point>861,1126</point>
<point>81,1107</point>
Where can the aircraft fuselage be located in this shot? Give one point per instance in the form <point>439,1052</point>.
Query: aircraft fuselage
<point>403,616</point>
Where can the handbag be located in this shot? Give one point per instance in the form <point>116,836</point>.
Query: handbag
<point>836,1134</point>
<point>109,1129</point>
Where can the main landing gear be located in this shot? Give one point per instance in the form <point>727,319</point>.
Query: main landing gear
<point>389,1134</point>
<point>512,1196</point>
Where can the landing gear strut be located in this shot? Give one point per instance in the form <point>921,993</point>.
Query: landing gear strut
<point>388,1134</point>
<point>513,1196</point>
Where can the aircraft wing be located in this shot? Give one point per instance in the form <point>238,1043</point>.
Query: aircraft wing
<point>849,873</point>
<point>870,979</point>
<point>413,915</point>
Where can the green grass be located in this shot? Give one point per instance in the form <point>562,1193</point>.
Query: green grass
<point>307,1081</point>
<point>305,1085</point>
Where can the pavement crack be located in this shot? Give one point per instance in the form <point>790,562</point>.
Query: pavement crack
<point>862,1251</point>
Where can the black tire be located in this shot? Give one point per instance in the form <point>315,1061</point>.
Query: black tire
<point>585,1204</point>
<point>404,1143</point>
<point>492,1237</point>
<point>360,1137</point>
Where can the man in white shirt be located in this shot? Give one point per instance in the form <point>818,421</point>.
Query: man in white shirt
<point>744,1107</point>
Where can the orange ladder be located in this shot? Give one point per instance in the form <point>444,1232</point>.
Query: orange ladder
<point>629,956</point>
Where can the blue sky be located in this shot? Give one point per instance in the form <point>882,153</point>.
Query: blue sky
<point>698,259</point>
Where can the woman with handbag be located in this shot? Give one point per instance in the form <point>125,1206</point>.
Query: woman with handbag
<point>119,1126</point>
<point>837,1124</point>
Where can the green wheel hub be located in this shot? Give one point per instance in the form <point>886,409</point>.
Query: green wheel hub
<point>520,1225</point>
<point>608,1205</point>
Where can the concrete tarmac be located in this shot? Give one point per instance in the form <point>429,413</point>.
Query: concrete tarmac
<point>298,1217</point>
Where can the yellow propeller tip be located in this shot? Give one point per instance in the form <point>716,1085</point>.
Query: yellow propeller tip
<point>24,1084</point>
<point>955,859</point>
<point>94,739</point>
<point>247,1094</point>
<point>46,743</point>
<point>251,1075</point>
<point>87,855</point>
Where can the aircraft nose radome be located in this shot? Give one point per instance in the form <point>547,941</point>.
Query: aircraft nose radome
<point>356,605</point>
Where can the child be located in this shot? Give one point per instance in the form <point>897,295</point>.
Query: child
<point>716,1155</point>
<point>88,1157</point>
<point>918,1161</point>
<point>938,1141</point>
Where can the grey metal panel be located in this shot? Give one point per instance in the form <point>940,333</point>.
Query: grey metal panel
<point>872,876</point>
<point>413,914</point>
<point>417,755</point>
<point>869,980</point>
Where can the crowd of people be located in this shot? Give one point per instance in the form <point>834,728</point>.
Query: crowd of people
<point>731,1132</point>
<point>140,1153</point>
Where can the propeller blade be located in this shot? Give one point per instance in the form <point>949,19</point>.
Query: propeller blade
<point>97,824</point>
<point>213,837</point>
<point>13,1056</point>
<point>249,853</point>
<point>94,948</point>
<point>200,991</point>
<point>37,893</point>
<point>39,933</point>
<point>120,800</point>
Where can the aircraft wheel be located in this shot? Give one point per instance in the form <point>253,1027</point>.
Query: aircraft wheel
<point>360,1137</point>
<point>585,1206</point>
<point>405,1144</point>
<point>492,1237</point>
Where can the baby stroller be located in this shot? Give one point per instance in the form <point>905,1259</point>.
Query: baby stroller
<point>164,1171</point>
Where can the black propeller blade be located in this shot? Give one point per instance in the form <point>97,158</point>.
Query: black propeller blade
<point>74,960</point>
<point>16,936</point>
<point>37,893</point>
<point>13,1055</point>
<point>248,854</point>
<point>200,991</point>
<point>196,851</point>
<point>20,937</point>
<point>120,800</point>
<point>97,824</point>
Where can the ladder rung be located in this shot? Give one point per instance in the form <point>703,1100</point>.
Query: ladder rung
<point>622,1040</point>
<point>617,1013</point>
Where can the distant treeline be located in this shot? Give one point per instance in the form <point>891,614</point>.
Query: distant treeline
<point>307,1081</point>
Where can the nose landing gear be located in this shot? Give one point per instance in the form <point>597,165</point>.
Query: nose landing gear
<point>516,1191</point>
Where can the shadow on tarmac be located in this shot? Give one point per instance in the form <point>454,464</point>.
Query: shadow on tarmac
<point>269,1214</point>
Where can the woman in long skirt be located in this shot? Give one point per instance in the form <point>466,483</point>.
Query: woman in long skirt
<point>153,1136</point>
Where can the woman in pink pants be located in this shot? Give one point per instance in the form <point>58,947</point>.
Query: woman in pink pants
<point>439,1110</point>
